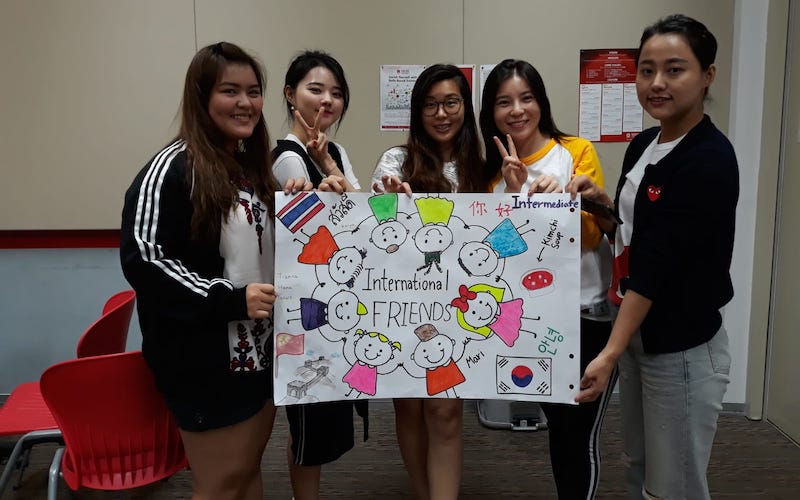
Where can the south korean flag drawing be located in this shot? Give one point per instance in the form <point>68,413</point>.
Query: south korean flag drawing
<point>522,375</point>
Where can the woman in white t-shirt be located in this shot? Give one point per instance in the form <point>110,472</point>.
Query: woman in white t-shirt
<point>527,153</point>
<point>442,155</point>
<point>317,97</point>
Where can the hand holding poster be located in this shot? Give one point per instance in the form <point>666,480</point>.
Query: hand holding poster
<point>453,295</point>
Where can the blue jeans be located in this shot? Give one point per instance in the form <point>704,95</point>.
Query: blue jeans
<point>670,404</point>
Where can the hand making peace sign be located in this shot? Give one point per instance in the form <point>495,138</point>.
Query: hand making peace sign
<point>317,141</point>
<point>515,172</point>
<point>317,147</point>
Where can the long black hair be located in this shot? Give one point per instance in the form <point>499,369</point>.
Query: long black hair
<point>305,62</point>
<point>423,167</point>
<point>506,69</point>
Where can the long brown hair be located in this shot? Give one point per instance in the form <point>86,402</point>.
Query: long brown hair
<point>212,171</point>
<point>423,167</point>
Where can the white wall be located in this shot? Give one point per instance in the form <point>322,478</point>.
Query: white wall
<point>747,88</point>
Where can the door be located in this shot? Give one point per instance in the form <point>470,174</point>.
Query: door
<point>783,372</point>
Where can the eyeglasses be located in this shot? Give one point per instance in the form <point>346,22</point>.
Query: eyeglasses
<point>451,106</point>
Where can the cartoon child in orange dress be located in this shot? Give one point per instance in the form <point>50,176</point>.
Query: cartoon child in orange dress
<point>436,354</point>
<point>344,264</point>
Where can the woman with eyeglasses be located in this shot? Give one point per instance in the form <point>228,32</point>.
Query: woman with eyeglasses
<point>527,153</point>
<point>442,155</point>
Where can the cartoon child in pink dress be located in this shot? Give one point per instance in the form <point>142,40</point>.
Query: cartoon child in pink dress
<point>480,309</point>
<point>370,354</point>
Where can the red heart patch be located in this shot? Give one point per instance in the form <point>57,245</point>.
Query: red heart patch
<point>653,192</point>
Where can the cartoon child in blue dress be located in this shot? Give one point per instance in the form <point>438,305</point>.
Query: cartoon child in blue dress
<point>482,258</point>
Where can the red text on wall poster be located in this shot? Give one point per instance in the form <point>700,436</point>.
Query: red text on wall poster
<point>609,108</point>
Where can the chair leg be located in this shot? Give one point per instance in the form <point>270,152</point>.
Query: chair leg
<point>22,464</point>
<point>11,465</point>
<point>55,473</point>
<point>22,446</point>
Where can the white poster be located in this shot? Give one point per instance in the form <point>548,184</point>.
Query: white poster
<point>455,295</point>
<point>397,81</point>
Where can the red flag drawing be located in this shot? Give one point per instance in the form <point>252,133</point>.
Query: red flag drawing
<point>286,343</point>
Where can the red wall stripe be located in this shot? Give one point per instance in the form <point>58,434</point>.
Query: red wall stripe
<point>70,238</point>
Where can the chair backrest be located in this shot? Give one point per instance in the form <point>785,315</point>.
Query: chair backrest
<point>117,429</point>
<point>109,333</point>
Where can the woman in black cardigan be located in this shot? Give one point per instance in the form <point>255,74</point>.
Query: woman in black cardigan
<point>677,200</point>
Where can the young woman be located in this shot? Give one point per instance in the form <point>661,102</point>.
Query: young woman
<point>442,155</point>
<point>317,97</point>
<point>197,246</point>
<point>531,155</point>
<point>677,199</point>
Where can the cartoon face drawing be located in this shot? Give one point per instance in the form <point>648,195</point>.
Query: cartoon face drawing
<point>477,258</point>
<point>389,235</point>
<point>345,265</point>
<point>437,351</point>
<point>344,311</point>
<point>482,310</point>
<point>372,350</point>
<point>433,238</point>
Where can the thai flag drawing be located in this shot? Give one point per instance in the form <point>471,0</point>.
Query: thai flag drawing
<point>522,375</point>
<point>300,209</point>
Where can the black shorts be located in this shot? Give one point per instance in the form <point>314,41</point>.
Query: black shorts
<point>323,432</point>
<point>242,396</point>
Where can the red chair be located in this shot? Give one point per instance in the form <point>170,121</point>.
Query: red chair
<point>109,334</point>
<point>25,412</point>
<point>119,433</point>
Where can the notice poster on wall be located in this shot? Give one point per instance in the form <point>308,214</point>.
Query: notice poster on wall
<point>609,108</point>
<point>430,295</point>
<point>396,84</point>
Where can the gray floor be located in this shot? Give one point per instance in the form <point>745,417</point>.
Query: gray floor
<point>751,460</point>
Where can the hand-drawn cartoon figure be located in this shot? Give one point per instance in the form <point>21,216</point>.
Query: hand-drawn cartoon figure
<point>342,312</point>
<point>481,258</point>
<point>434,237</point>
<point>369,354</point>
<point>390,233</point>
<point>480,309</point>
<point>436,354</point>
<point>344,264</point>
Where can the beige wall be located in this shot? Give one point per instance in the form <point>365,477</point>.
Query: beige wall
<point>88,92</point>
<point>91,87</point>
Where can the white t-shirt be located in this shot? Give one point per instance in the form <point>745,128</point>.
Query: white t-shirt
<point>553,159</point>
<point>290,165</point>
<point>651,155</point>
<point>391,163</point>
<point>247,245</point>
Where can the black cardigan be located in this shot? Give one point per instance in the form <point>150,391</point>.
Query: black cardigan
<point>682,242</point>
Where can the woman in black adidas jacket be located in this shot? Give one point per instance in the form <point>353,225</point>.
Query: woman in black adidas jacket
<point>197,246</point>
